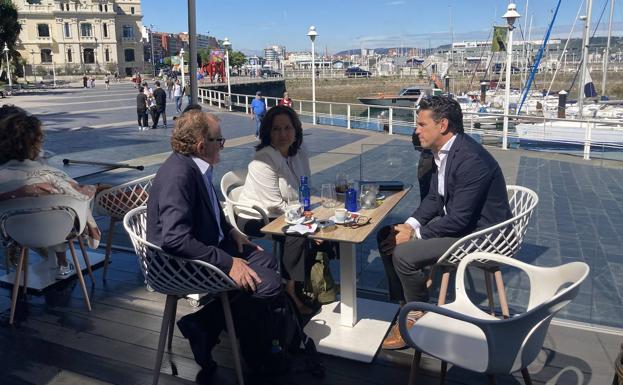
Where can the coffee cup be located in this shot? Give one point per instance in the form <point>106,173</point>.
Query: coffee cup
<point>294,212</point>
<point>341,215</point>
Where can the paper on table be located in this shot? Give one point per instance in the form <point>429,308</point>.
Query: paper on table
<point>303,229</point>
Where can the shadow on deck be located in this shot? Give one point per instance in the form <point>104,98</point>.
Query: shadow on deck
<point>57,341</point>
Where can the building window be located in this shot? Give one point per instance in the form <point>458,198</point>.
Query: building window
<point>105,29</point>
<point>107,55</point>
<point>43,30</point>
<point>69,56</point>
<point>67,30</point>
<point>105,7</point>
<point>128,31</point>
<point>132,10</point>
<point>86,30</point>
<point>46,56</point>
<point>89,56</point>
<point>129,55</point>
<point>101,8</point>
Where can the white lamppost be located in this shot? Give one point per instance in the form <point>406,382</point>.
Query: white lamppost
<point>53,69</point>
<point>8,65</point>
<point>511,16</point>
<point>312,36</point>
<point>227,44</point>
<point>34,74</point>
<point>182,67</point>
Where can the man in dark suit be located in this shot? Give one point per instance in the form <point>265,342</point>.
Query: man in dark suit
<point>161,106</point>
<point>185,219</point>
<point>467,193</point>
<point>425,166</point>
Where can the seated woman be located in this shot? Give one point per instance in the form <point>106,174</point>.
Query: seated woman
<point>22,174</point>
<point>273,181</point>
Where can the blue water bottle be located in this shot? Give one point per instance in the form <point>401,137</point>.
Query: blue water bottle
<point>305,194</point>
<point>350,201</point>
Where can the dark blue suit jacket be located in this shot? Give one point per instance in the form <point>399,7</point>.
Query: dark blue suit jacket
<point>475,193</point>
<point>180,218</point>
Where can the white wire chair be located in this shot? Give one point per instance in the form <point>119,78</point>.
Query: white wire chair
<point>117,201</point>
<point>505,239</point>
<point>231,187</point>
<point>42,222</point>
<point>462,334</point>
<point>176,278</point>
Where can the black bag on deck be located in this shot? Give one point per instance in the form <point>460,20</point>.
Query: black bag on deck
<point>274,343</point>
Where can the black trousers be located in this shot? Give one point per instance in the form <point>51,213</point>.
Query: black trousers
<point>142,118</point>
<point>403,267</point>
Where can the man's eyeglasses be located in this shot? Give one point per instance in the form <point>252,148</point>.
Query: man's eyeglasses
<point>221,141</point>
<point>361,220</point>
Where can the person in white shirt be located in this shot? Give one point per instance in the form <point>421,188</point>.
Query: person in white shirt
<point>272,183</point>
<point>177,95</point>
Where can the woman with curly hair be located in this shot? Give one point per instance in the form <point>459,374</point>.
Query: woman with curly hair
<point>23,175</point>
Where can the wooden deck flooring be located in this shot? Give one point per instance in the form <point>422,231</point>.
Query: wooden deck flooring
<point>57,341</point>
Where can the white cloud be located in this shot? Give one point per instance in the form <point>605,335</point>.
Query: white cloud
<point>397,2</point>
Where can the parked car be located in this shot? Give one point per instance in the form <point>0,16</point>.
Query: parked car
<point>271,74</point>
<point>356,72</point>
<point>497,67</point>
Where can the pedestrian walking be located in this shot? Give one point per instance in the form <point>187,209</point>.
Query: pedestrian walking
<point>258,109</point>
<point>177,95</point>
<point>141,109</point>
<point>170,87</point>
<point>286,100</point>
<point>160,98</point>
<point>187,92</point>
<point>85,81</point>
<point>92,81</point>
<point>107,81</point>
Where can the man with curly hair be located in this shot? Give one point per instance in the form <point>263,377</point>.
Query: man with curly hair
<point>185,219</point>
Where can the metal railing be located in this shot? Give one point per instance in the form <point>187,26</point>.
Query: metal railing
<point>586,135</point>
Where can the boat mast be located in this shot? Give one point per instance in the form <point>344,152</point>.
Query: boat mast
<point>587,28</point>
<point>607,52</point>
<point>524,65</point>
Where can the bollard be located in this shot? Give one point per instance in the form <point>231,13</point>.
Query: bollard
<point>483,92</point>
<point>391,121</point>
<point>447,83</point>
<point>587,141</point>
<point>562,102</point>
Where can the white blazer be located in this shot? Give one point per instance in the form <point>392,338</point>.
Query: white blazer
<point>273,180</point>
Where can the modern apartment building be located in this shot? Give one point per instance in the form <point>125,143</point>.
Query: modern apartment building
<point>81,36</point>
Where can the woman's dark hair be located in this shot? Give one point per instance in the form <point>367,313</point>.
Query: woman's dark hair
<point>444,107</point>
<point>267,126</point>
<point>21,137</point>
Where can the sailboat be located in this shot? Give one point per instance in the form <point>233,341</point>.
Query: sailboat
<point>609,133</point>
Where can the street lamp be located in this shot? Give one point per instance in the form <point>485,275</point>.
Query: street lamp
<point>511,16</point>
<point>34,74</point>
<point>151,40</point>
<point>53,69</point>
<point>227,44</point>
<point>182,66</point>
<point>8,66</point>
<point>312,36</point>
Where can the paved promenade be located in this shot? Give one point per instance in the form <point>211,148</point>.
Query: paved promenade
<point>579,217</point>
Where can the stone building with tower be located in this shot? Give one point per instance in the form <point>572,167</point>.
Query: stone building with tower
<point>81,36</point>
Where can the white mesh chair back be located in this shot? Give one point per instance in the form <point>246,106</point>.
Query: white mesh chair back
<point>168,274</point>
<point>464,335</point>
<point>506,237</point>
<point>117,201</point>
<point>232,184</point>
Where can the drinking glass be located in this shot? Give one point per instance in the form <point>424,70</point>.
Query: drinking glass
<point>367,197</point>
<point>341,183</point>
<point>328,195</point>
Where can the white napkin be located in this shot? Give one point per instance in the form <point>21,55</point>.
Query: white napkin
<point>303,229</point>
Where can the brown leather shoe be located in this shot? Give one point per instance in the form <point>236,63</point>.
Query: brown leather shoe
<point>394,340</point>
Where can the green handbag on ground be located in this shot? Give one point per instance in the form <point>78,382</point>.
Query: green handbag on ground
<point>320,285</point>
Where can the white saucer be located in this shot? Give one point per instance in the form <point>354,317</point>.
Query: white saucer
<point>348,220</point>
<point>301,221</point>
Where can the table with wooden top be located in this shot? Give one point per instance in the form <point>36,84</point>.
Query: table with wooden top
<point>352,327</point>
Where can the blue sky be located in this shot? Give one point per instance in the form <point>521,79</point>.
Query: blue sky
<point>344,24</point>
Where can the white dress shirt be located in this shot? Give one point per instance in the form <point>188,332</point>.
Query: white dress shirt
<point>441,158</point>
<point>206,172</point>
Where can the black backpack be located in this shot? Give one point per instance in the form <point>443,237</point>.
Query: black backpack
<point>273,342</point>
